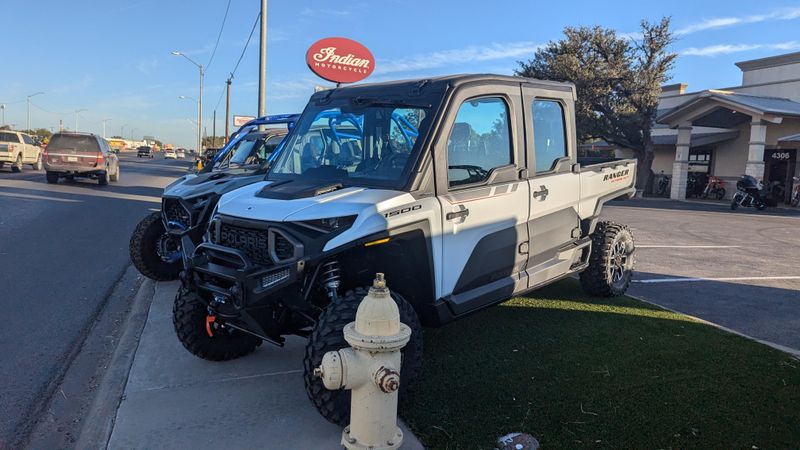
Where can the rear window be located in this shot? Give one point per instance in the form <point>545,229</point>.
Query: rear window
<point>9,137</point>
<point>82,143</point>
<point>144,148</point>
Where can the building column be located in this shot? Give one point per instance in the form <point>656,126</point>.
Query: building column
<point>755,152</point>
<point>680,168</point>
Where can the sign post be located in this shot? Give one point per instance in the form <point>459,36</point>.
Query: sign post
<point>238,121</point>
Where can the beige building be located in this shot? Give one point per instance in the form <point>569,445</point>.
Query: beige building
<point>751,129</point>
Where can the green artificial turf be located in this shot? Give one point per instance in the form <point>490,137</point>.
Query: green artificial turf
<point>578,372</point>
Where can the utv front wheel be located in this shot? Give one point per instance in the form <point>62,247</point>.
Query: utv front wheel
<point>190,318</point>
<point>327,336</point>
<point>146,247</point>
<point>611,261</point>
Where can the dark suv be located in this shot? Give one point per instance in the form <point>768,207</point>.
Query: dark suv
<point>144,151</point>
<point>82,155</point>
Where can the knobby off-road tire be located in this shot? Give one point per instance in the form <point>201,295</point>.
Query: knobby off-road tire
<point>17,166</point>
<point>611,261</point>
<point>189,318</point>
<point>327,336</point>
<point>52,177</point>
<point>144,250</point>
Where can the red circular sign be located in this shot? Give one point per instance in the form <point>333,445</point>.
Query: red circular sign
<point>340,60</point>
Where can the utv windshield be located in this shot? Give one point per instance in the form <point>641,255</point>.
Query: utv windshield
<point>250,153</point>
<point>374,145</point>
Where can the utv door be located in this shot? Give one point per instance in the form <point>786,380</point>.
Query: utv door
<point>484,203</point>
<point>554,224</point>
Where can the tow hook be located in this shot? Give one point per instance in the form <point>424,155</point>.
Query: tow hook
<point>209,321</point>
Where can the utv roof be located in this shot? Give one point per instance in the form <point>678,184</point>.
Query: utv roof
<point>417,87</point>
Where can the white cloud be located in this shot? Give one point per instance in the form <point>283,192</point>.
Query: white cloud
<point>325,12</point>
<point>451,57</point>
<point>147,66</point>
<point>723,22</point>
<point>725,49</point>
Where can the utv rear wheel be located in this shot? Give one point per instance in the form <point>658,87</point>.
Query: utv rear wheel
<point>146,246</point>
<point>52,177</point>
<point>189,315</point>
<point>327,336</point>
<point>611,261</point>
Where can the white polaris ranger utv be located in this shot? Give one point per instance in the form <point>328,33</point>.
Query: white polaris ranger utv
<point>464,190</point>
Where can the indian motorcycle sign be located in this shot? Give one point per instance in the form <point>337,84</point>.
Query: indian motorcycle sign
<point>340,60</point>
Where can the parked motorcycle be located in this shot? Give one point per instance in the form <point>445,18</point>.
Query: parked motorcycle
<point>663,186</point>
<point>715,187</point>
<point>796,194</point>
<point>749,193</point>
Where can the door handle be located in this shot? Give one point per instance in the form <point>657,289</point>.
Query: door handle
<point>457,214</point>
<point>543,192</point>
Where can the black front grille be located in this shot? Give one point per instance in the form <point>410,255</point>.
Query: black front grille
<point>283,248</point>
<point>175,212</point>
<point>253,242</point>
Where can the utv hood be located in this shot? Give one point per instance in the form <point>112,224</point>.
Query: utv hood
<point>308,202</point>
<point>209,183</point>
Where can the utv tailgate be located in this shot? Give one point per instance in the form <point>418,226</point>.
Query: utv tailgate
<point>605,181</point>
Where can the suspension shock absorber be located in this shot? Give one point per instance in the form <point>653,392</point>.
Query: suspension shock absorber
<point>330,277</point>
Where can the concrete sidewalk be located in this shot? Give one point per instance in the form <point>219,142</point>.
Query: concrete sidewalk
<point>176,400</point>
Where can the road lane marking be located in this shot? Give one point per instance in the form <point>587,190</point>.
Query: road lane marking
<point>688,246</point>
<point>693,280</point>
<point>40,197</point>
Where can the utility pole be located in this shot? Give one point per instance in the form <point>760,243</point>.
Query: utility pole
<point>60,125</point>
<point>3,109</point>
<point>214,130</point>
<point>227,109</point>
<point>262,63</point>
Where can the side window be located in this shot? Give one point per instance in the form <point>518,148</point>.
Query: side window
<point>479,141</point>
<point>27,139</point>
<point>549,134</point>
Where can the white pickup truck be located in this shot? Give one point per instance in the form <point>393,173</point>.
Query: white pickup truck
<point>464,190</point>
<point>17,148</point>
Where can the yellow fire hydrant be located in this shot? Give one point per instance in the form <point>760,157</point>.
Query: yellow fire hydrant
<point>371,369</point>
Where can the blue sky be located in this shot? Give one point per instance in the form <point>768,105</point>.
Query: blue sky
<point>113,58</point>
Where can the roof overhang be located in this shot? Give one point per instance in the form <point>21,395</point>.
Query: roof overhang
<point>716,109</point>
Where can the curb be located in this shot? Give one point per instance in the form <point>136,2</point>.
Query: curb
<point>791,351</point>
<point>102,413</point>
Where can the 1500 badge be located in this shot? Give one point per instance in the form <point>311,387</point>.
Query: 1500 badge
<point>397,212</point>
<point>614,176</point>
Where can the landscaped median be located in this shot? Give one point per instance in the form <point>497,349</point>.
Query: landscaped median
<point>575,371</point>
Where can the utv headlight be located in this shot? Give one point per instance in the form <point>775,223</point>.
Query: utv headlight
<point>331,224</point>
<point>199,203</point>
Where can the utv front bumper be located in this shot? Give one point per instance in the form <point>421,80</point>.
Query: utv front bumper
<point>231,278</point>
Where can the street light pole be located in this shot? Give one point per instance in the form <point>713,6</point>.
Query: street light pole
<point>199,101</point>
<point>78,111</point>
<point>29,108</point>
<point>3,109</point>
<point>104,127</point>
<point>262,63</point>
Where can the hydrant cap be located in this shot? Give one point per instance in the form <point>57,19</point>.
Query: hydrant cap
<point>378,314</point>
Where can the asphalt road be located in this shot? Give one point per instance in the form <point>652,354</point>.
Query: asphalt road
<point>62,250</point>
<point>737,269</point>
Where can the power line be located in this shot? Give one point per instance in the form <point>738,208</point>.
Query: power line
<point>244,50</point>
<point>222,27</point>
<point>258,16</point>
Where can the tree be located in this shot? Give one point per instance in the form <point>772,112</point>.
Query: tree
<point>116,137</point>
<point>618,82</point>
